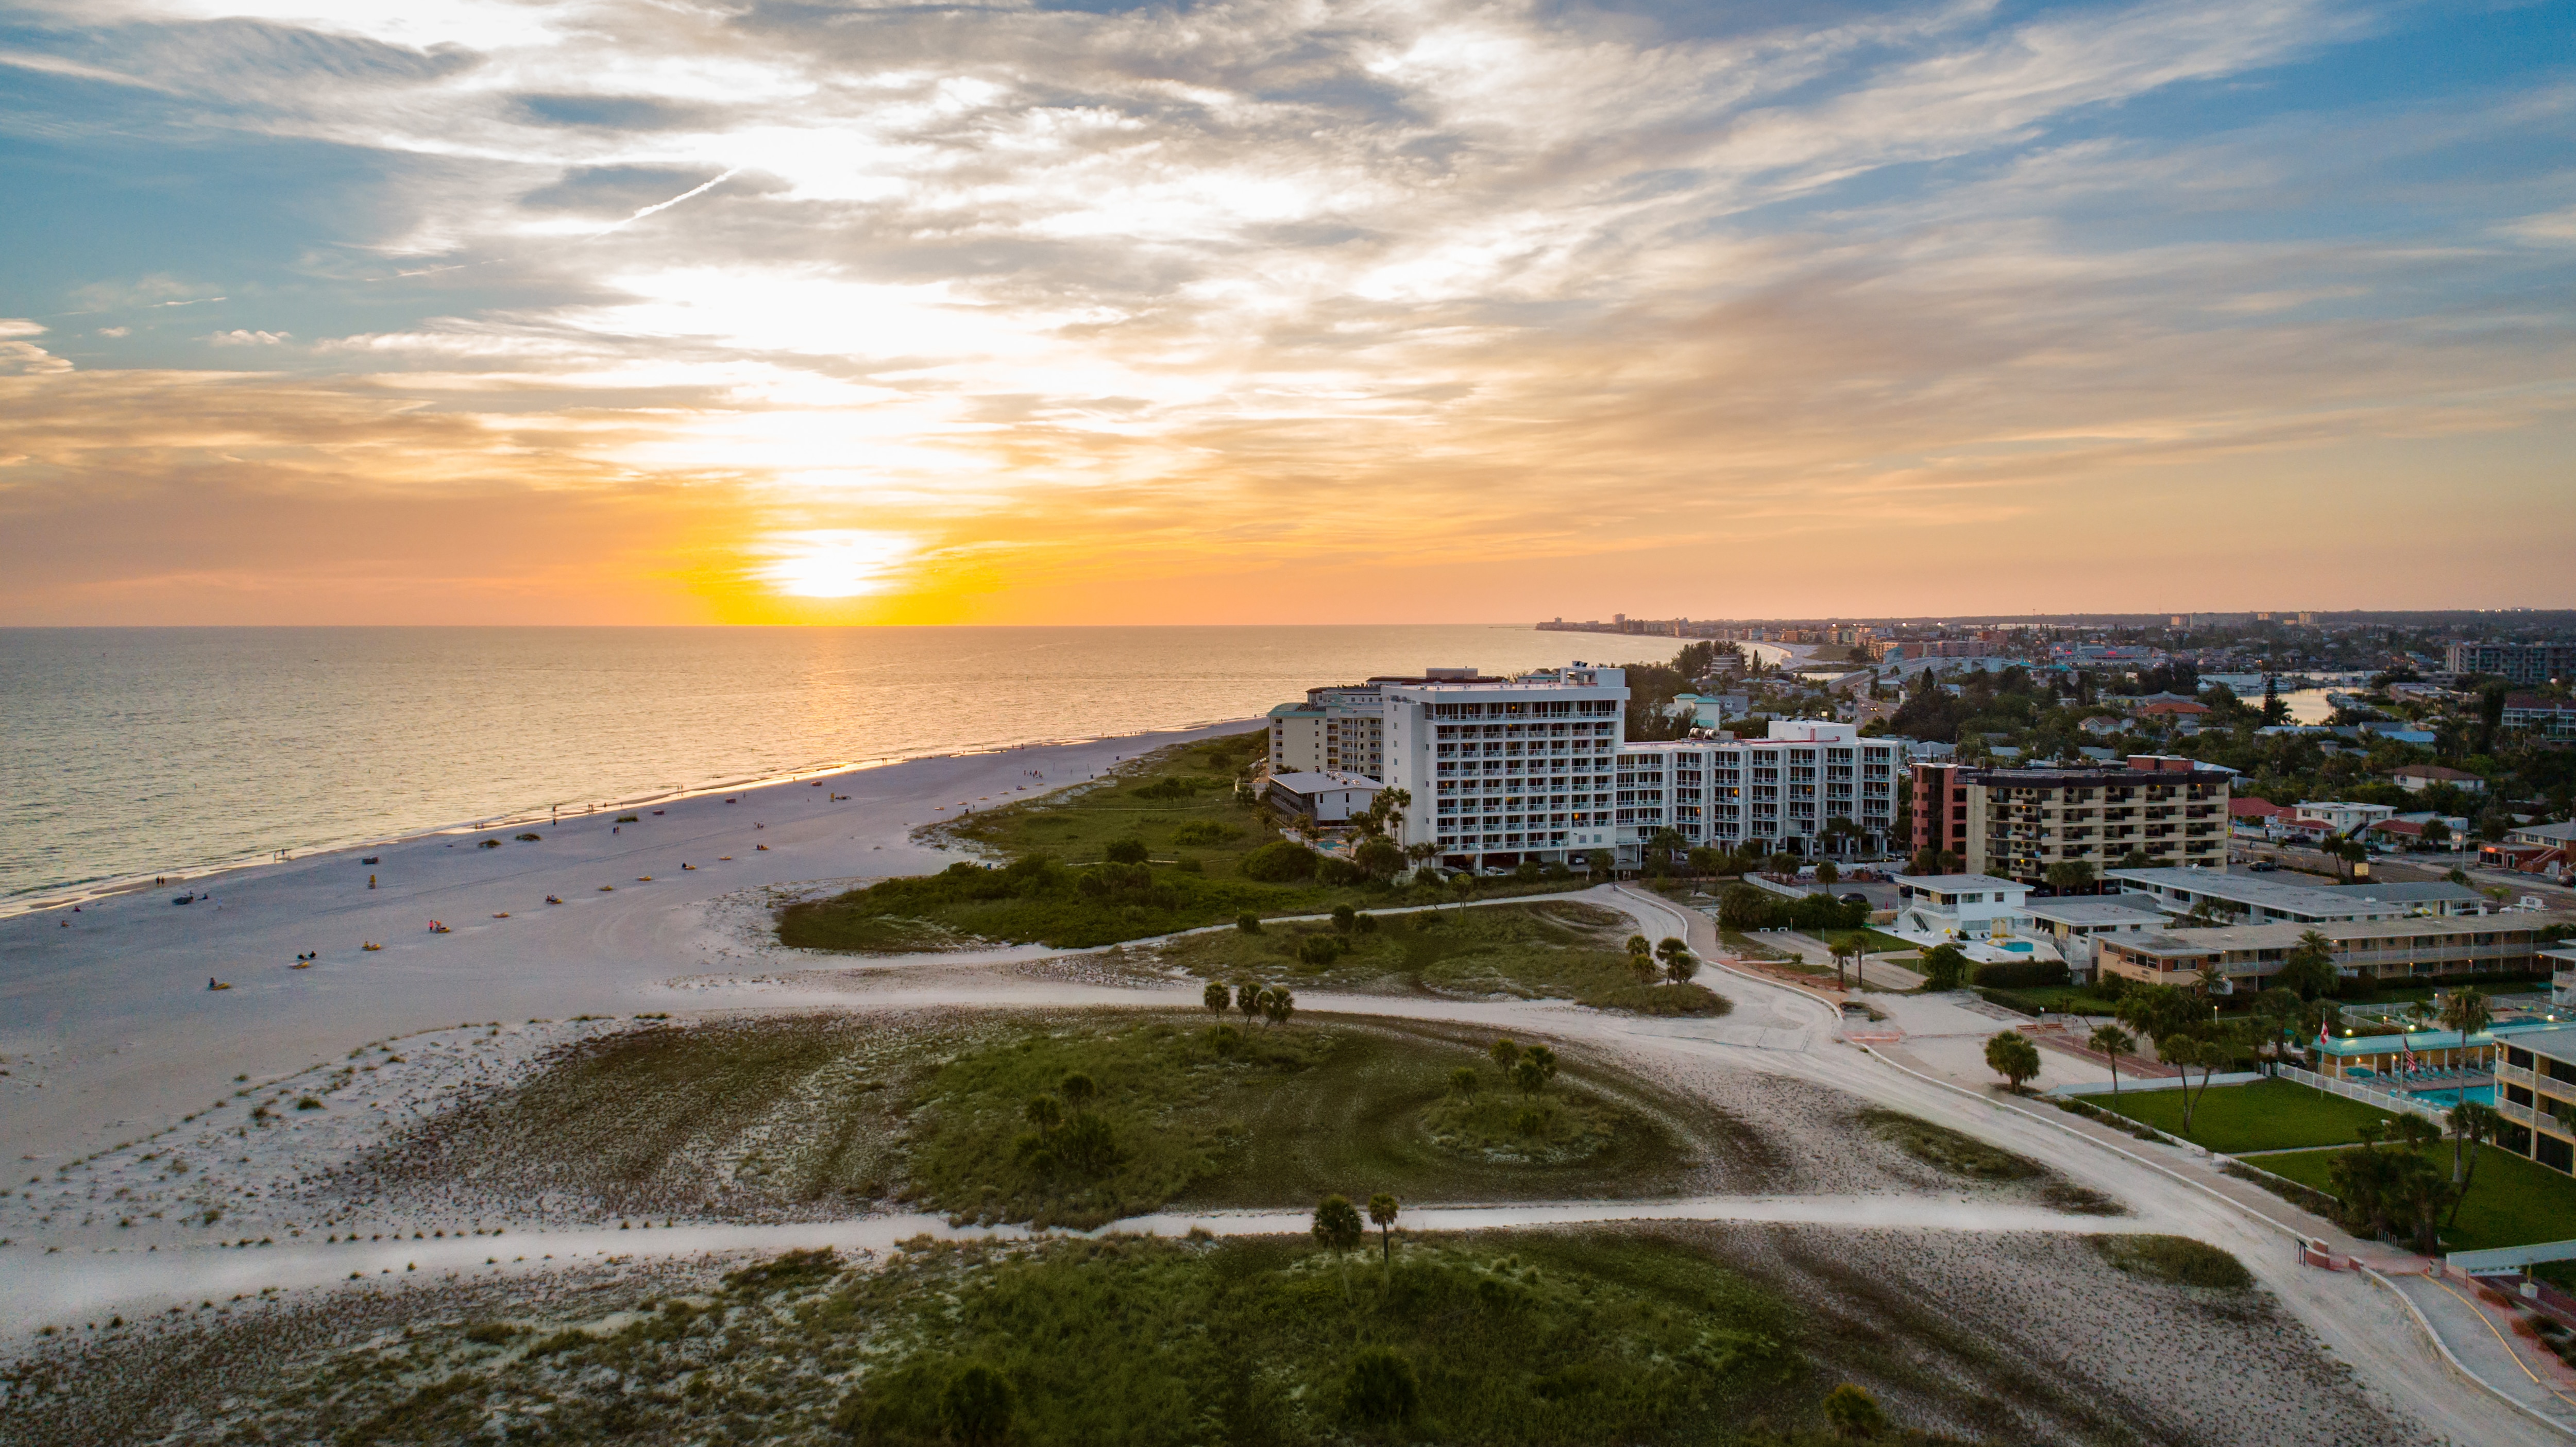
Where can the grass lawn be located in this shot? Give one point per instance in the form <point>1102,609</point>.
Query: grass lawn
<point>1178,802</point>
<point>1557,949</point>
<point>2267,1115</point>
<point>1880,942</point>
<point>2058,999</point>
<point>2512,1201</point>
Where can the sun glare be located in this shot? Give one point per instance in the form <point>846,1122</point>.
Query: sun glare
<point>833,562</point>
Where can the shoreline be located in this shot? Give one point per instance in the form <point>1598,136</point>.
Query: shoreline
<point>82,892</point>
<point>112,1026</point>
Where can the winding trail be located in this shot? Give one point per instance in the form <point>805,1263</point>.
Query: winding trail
<point>151,1043</point>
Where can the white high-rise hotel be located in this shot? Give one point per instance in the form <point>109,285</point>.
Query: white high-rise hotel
<point>1537,767</point>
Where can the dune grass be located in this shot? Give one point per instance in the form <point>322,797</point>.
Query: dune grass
<point>1554,949</point>
<point>1057,887</point>
<point>1209,1114</point>
<point>1621,1339</point>
<point>2175,1260</point>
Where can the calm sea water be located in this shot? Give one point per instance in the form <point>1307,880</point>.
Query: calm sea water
<point>158,750</point>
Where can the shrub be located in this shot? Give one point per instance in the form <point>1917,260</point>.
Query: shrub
<point>1281,861</point>
<point>1853,1412</point>
<point>1203,832</point>
<point>1380,1387</point>
<point>306,1102</point>
<point>2020,974</point>
<point>1339,872</point>
<point>1125,851</point>
<point>1248,923</point>
<point>1319,950</point>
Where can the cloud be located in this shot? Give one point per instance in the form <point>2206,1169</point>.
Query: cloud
<point>20,327</point>
<point>1072,308</point>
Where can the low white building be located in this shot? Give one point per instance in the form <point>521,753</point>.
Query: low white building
<point>1327,797</point>
<point>2074,924</point>
<point>1959,906</point>
<point>2342,817</point>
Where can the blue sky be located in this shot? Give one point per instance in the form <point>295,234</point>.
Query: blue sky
<point>1128,312</point>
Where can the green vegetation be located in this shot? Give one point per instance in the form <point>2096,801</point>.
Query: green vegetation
<point>1957,1154</point>
<point>2512,1200</point>
<point>1221,1115</point>
<point>1620,1339</point>
<point>2176,1260</point>
<point>1163,843</point>
<point>1558,949</point>
<point>1948,1150</point>
<point>2265,1115</point>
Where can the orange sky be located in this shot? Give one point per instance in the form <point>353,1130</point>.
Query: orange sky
<point>565,312</point>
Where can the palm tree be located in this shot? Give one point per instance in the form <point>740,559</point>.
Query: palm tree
<point>1641,962</point>
<point>1420,852</point>
<point>2466,1011</point>
<point>1679,963</point>
<point>1382,1211</point>
<point>2114,1042</point>
<point>1845,948</point>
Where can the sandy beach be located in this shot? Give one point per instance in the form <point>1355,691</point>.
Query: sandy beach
<point>111,1033</point>
<point>147,1184</point>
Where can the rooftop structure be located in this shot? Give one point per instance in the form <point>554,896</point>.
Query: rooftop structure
<point>2247,956</point>
<point>1325,796</point>
<point>2254,897</point>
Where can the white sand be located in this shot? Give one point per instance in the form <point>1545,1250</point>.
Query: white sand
<point>108,1032</point>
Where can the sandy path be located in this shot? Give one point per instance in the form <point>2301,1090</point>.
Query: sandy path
<point>112,1032</point>
<point>70,1288</point>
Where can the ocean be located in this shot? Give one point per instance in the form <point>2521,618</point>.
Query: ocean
<point>136,752</point>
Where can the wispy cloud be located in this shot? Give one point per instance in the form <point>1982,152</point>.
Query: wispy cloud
<point>1156,299</point>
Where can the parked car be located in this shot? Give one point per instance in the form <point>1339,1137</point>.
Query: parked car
<point>1855,897</point>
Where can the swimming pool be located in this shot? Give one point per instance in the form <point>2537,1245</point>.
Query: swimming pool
<point>2477,1095</point>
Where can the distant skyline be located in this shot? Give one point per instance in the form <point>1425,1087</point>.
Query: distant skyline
<point>482,311</point>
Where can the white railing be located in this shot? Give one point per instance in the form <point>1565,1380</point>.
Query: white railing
<point>2388,1100</point>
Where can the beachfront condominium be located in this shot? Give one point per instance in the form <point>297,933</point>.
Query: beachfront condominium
<point>1538,768</point>
<point>1337,730</point>
<point>2018,822</point>
<point>2536,1094</point>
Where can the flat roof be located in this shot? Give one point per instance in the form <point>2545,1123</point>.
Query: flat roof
<point>2247,889</point>
<point>2092,909</point>
<point>2416,891</point>
<point>2558,1044</point>
<point>2284,934</point>
<point>2523,1033</point>
<point>1955,883</point>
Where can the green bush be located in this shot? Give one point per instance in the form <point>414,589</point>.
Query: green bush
<point>1380,1388</point>
<point>1125,851</point>
<point>1204,832</point>
<point>1281,861</point>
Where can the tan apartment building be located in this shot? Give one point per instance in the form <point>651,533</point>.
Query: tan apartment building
<point>2536,1095</point>
<point>2017,822</point>
<point>2246,957</point>
<point>1339,730</point>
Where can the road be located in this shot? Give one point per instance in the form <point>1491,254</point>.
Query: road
<point>628,950</point>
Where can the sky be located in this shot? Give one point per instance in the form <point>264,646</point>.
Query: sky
<point>744,311</point>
